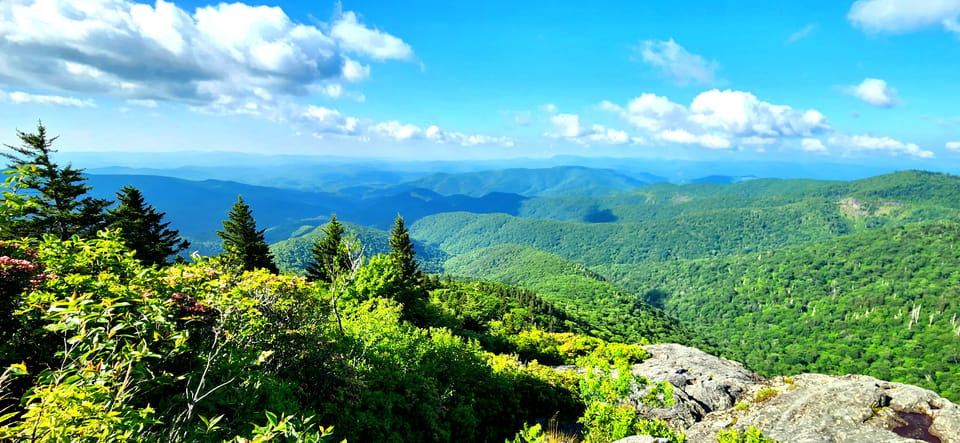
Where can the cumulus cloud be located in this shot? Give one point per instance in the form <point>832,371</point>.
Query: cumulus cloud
<point>953,146</point>
<point>356,37</point>
<point>867,143</point>
<point>715,117</point>
<point>901,16</point>
<point>812,145</point>
<point>354,72</point>
<point>397,131</point>
<point>677,64</point>
<point>231,57</point>
<point>568,127</point>
<point>19,98</point>
<point>874,92</point>
<point>754,140</point>
<point>329,121</point>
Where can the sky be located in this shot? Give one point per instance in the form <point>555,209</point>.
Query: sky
<point>865,82</point>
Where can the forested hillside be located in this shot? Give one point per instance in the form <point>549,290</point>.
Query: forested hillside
<point>615,314</point>
<point>665,222</point>
<point>883,303</point>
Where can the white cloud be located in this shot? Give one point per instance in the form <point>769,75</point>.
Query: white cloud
<point>754,140</point>
<point>953,146</point>
<point>354,71</point>
<point>550,108</point>
<point>715,117</point>
<point>397,131</point>
<point>901,16</point>
<point>802,33</point>
<point>568,124</point>
<point>812,145</point>
<point>227,58</point>
<point>867,143</point>
<point>329,121</point>
<point>20,98</point>
<point>874,92</point>
<point>679,65</point>
<point>569,128</point>
<point>355,37</point>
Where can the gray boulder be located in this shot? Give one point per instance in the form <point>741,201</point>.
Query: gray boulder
<point>820,408</point>
<point>702,383</point>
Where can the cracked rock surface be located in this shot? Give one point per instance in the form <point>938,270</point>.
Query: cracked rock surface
<point>713,394</point>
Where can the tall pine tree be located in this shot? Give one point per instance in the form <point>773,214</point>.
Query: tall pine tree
<point>401,250</point>
<point>329,256</point>
<point>61,207</point>
<point>242,242</point>
<point>143,229</point>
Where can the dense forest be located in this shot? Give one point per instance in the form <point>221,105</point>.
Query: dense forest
<point>882,303</point>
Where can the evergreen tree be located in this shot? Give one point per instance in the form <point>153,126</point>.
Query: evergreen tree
<point>401,250</point>
<point>242,242</point>
<point>142,228</point>
<point>61,206</point>
<point>329,255</point>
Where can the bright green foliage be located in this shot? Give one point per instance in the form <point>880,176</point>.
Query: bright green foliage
<point>329,256</point>
<point>198,352</point>
<point>115,329</point>
<point>401,250</point>
<point>289,429</point>
<point>883,303</point>
<point>607,388</point>
<point>58,201</point>
<point>243,243</point>
<point>530,434</point>
<point>614,314</point>
<point>751,435</point>
<point>143,229</point>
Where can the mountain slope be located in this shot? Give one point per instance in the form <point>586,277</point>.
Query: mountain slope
<point>668,222</point>
<point>882,302</point>
<point>560,180</point>
<point>615,314</point>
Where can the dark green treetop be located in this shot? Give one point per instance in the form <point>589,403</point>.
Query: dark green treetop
<point>401,250</point>
<point>243,243</point>
<point>329,255</point>
<point>60,204</point>
<point>143,229</point>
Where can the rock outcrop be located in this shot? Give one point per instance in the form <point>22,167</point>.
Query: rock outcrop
<point>702,383</point>
<point>713,394</point>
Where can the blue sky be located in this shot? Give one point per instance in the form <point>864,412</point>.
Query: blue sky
<point>870,81</point>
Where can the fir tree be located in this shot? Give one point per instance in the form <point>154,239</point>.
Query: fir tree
<point>61,206</point>
<point>401,250</point>
<point>242,242</point>
<point>143,229</point>
<point>329,256</point>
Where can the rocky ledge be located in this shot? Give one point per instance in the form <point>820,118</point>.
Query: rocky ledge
<point>713,394</point>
